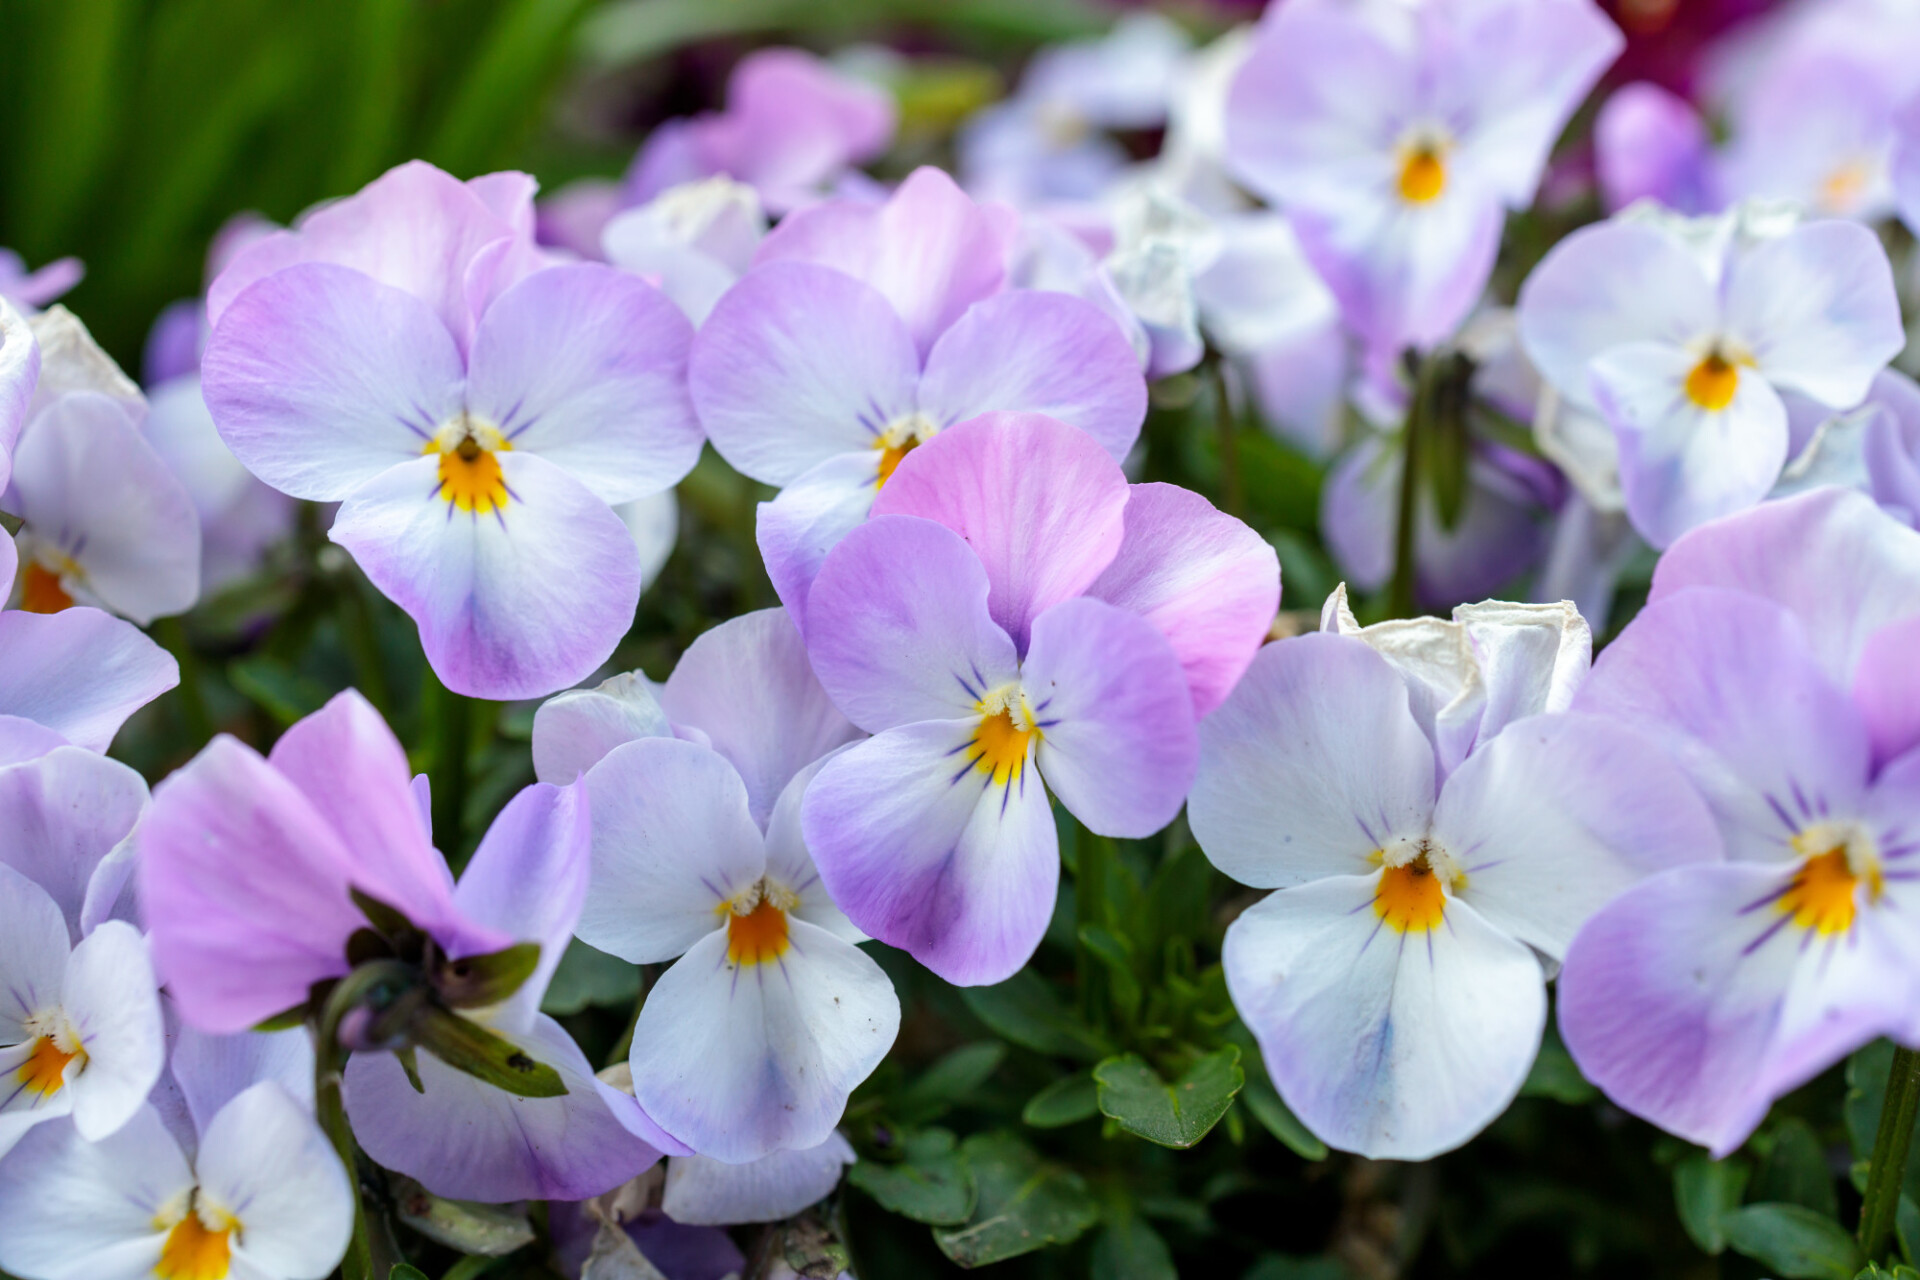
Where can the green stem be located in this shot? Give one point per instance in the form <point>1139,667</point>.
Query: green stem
<point>1231,492</point>
<point>1401,601</point>
<point>455,731</point>
<point>328,1062</point>
<point>1891,1140</point>
<point>362,641</point>
<point>1090,898</point>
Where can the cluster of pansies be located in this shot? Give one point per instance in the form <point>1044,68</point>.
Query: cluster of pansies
<point>234,1009</point>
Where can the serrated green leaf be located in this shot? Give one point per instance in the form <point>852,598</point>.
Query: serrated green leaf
<point>1278,1119</point>
<point>587,977</point>
<point>932,1184</point>
<point>1705,1191</point>
<point>1022,1203</point>
<point>1063,1102</point>
<point>1025,1010</point>
<point>1174,1115</point>
<point>1131,1250</point>
<point>1793,1241</point>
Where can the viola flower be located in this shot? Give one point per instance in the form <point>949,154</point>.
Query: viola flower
<point>408,353</point>
<point>752,1039</point>
<point>793,124</point>
<point>259,1193</point>
<point>1684,337</point>
<point>693,240</point>
<point>1015,620</point>
<point>79,1021</point>
<point>703,1191</point>
<point>31,290</point>
<point>862,332</point>
<point>76,675</point>
<point>1396,137</point>
<point>1650,144</point>
<point>1816,127</point>
<point>1395,981</point>
<point>1773,663</point>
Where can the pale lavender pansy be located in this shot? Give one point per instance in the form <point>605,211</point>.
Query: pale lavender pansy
<point>866,329</point>
<point>1015,620</point>
<point>1684,336</point>
<point>1773,664</point>
<point>1396,137</point>
<point>792,124</point>
<point>693,240</point>
<point>1905,163</point>
<point>1650,144</point>
<point>1396,980</point>
<point>35,289</point>
<point>409,353</point>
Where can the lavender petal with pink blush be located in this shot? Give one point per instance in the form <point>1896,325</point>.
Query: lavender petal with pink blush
<point>40,287</point>
<point>470,1141</point>
<point>1206,580</point>
<point>1039,503</point>
<point>1650,144</point>
<point>22,740</point>
<point>79,672</point>
<point>807,519</point>
<point>1886,689</point>
<point>65,813</point>
<point>1115,715</point>
<point>929,249</point>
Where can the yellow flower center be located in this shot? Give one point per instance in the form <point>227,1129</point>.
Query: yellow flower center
<point>41,592</point>
<point>1713,382</point>
<point>757,923</point>
<point>470,475</point>
<point>1005,735</point>
<point>195,1251</point>
<point>1423,174</point>
<point>1412,894</point>
<point>1824,894</point>
<point>901,438</point>
<point>44,1071</point>
<point>1843,187</point>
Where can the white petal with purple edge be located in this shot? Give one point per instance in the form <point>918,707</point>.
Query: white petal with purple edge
<point>573,731</point>
<point>265,1161</point>
<point>1817,309</point>
<point>703,1191</point>
<point>807,519</point>
<point>71,1209</point>
<point>64,812</point>
<point>212,1071</point>
<point>33,956</point>
<point>110,998</point>
<point>791,865</point>
<point>19,372</point>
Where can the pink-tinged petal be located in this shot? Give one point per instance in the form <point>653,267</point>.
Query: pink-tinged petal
<point>797,364</point>
<point>792,122</point>
<point>807,519</point>
<point>573,731</point>
<point>1116,723</point>
<point>742,1059</point>
<point>926,852</point>
<point>1906,163</point>
<point>1831,557</point>
<point>703,1191</point>
<point>586,366</point>
<point>121,671</point>
<point>1605,286</point>
<point>244,887</point>
<point>471,1141</point>
<point>353,771</point>
<point>72,1208</point>
<point>1039,502</point>
<point>1392,1045</point>
<point>673,842</point>
<point>19,374</point>
<point>415,229</point>
<point>930,250</point>
<point>1693,1000</point>
<point>92,486</point>
<point>513,603</point>
<point>1682,465</point>
<point>110,998</point>
<point>1886,689</point>
<point>63,814</point>
<point>1651,144</point>
<point>900,625</point>
<point>1892,447</point>
<point>320,378</point>
<point>1311,765</point>
<point>1558,815</point>
<point>748,686</point>
<point>1818,310</point>
<point>1728,685</point>
<point>22,740</point>
<point>9,565</point>
<point>39,287</point>
<point>527,880</point>
<point>1211,584</point>
<point>1043,353</point>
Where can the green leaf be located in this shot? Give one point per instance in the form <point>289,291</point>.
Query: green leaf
<point>1906,1227</point>
<point>1280,1266</point>
<point>1555,1075</point>
<point>1025,1010</point>
<point>1705,1191</point>
<point>1278,1119</point>
<point>276,688</point>
<point>405,1271</point>
<point>1063,1102</point>
<point>949,1080</point>
<point>586,977</point>
<point>465,1045</point>
<point>475,982</point>
<point>1023,1203</point>
<point>1795,1170</point>
<point>1132,1250</point>
<point>1173,1115</point>
<point>1793,1241</point>
<point>489,1230</point>
<point>932,1184</point>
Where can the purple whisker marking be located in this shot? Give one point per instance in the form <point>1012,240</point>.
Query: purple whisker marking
<point>507,418</point>
<point>971,691</point>
<point>1477,868</point>
<point>1045,724</point>
<point>1762,940</point>
<point>1800,797</point>
<point>1901,851</point>
<point>1370,937</point>
<point>1366,831</point>
<point>966,769</point>
<point>80,546</point>
<point>423,432</point>
<point>17,1091</point>
<point>1900,875</point>
<point>977,677</point>
<point>712,888</point>
<point>957,750</point>
<point>1043,704</point>
<point>1773,897</point>
<point>1429,948</point>
<point>1006,794</point>
<point>501,517</point>
<point>1780,812</point>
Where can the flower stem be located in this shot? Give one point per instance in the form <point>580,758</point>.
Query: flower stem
<point>455,736</point>
<point>332,1112</point>
<point>1401,599</point>
<point>1890,1143</point>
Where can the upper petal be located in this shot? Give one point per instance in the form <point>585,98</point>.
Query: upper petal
<point>40,654</point>
<point>1887,689</point>
<point>19,374</point>
<point>573,731</point>
<point>63,813</point>
<point>70,1208</point>
<point>264,1160</point>
<point>1818,309</point>
<point>807,519</point>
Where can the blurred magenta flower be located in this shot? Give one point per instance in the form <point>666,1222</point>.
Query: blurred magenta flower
<point>409,353</point>
<point>32,290</point>
<point>1397,137</point>
<point>1774,664</point>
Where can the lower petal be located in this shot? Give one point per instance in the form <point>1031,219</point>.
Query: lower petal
<point>39,654</point>
<point>512,604</point>
<point>263,1158</point>
<point>110,998</point>
<point>808,518</point>
<point>71,1209</point>
<point>703,1191</point>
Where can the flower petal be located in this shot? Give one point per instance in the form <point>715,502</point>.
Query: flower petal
<point>39,654</point>
<point>110,997</point>
<point>573,731</point>
<point>789,863</point>
<point>71,1209</point>
<point>739,1061</point>
<point>1818,310</point>
<point>33,953</point>
<point>512,604</point>
<point>19,374</point>
<point>586,367</point>
<point>264,1160</point>
<point>63,813</point>
<point>321,378</point>
<point>703,1191</point>
<point>1311,765</point>
<point>807,519</point>
<point>1392,1045</point>
<point>1887,689</point>
<point>211,1071</point>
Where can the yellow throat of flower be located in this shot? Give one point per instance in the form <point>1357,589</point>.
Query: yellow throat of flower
<point>40,590</point>
<point>1005,735</point>
<point>1714,381</point>
<point>196,1251</point>
<point>1423,173</point>
<point>1825,893</point>
<point>470,476</point>
<point>757,931</point>
<point>1414,880</point>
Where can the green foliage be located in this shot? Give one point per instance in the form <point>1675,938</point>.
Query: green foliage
<point>1793,1241</point>
<point>1705,1191</point>
<point>1176,1114</point>
<point>931,1183</point>
<point>1024,1203</point>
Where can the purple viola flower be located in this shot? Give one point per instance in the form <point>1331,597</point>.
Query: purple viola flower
<point>792,125</point>
<point>1684,336</point>
<point>1815,127</point>
<point>409,353</point>
<point>1015,620</point>
<point>35,289</point>
<point>1906,164</point>
<point>865,329</point>
<point>1649,143</point>
<point>1397,137</point>
<point>693,240</point>
<point>1773,663</point>
<point>1396,980</point>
